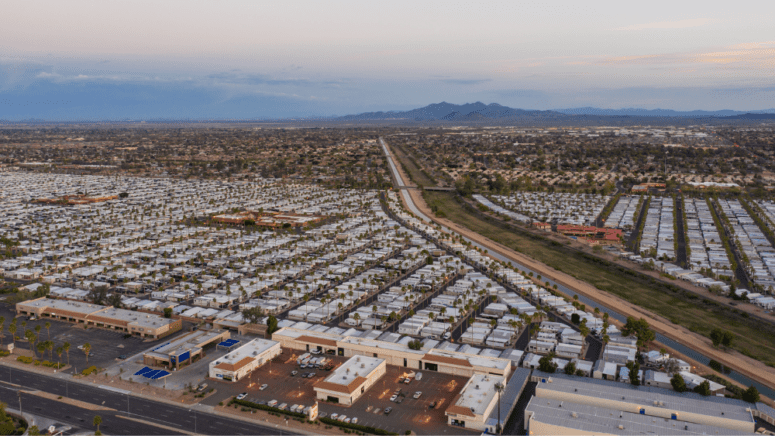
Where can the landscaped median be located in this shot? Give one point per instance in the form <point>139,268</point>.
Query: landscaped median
<point>356,427</point>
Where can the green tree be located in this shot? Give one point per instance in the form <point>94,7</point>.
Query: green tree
<point>751,395</point>
<point>168,312</point>
<point>703,388</point>
<point>252,315</point>
<point>97,421</point>
<point>271,324</point>
<point>546,364</point>
<point>640,329</point>
<point>66,347</point>
<point>634,368</point>
<point>679,385</point>
<point>570,368</point>
<point>86,349</point>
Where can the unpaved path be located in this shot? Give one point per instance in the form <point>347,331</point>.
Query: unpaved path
<point>751,368</point>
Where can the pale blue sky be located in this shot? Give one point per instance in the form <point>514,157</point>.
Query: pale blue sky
<point>244,59</point>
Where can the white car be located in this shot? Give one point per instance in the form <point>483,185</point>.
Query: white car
<point>354,420</point>
<point>393,398</point>
<point>263,386</point>
<point>418,377</point>
<point>342,418</point>
<point>447,335</point>
<point>417,395</point>
<point>242,396</point>
<point>334,415</point>
<point>347,420</point>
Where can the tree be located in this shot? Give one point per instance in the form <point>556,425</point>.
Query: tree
<point>86,349</point>
<point>271,324</point>
<point>48,329</point>
<point>546,364</point>
<point>640,329</point>
<point>97,421</point>
<point>12,329</point>
<point>415,344</point>
<point>679,385</point>
<point>727,338</point>
<point>98,294</point>
<point>252,315</point>
<point>751,395</point>
<point>570,368</point>
<point>66,347</point>
<point>168,312</point>
<point>575,318</point>
<point>115,300</point>
<point>703,388</point>
<point>634,368</point>
<point>716,335</point>
<point>59,352</point>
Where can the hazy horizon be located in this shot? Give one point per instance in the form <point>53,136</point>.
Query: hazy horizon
<point>84,60</point>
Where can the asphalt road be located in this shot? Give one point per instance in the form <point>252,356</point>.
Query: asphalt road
<point>77,417</point>
<point>172,416</point>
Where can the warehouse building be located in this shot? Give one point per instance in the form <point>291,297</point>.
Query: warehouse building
<point>575,405</point>
<point>351,380</point>
<point>239,363</point>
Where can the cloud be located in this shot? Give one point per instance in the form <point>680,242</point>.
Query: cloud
<point>237,78</point>
<point>680,24</point>
<point>465,82</point>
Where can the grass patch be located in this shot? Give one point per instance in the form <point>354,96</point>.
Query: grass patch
<point>410,167</point>
<point>753,338</point>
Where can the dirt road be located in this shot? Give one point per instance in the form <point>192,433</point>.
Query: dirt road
<point>749,367</point>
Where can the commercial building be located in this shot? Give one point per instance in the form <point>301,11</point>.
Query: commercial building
<point>577,405</point>
<point>135,323</point>
<point>184,349</point>
<point>397,354</point>
<point>239,363</point>
<point>351,380</point>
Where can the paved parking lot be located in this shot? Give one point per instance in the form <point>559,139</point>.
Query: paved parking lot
<point>369,409</point>
<point>106,345</point>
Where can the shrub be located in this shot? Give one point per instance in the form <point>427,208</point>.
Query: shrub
<point>90,370</point>
<point>24,359</point>
<point>357,427</point>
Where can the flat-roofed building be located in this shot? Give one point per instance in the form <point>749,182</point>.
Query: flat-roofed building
<point>351,380</point>
<point>183,350</point>
<point>239,363</point>
<point>473,405</point>
<point>606,407</point>
<point>136,323</point>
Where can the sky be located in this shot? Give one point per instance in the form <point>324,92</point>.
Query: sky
<point>114,60</point>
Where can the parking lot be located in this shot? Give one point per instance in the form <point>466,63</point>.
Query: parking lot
<point>106,345</point>
<point>410,413</point>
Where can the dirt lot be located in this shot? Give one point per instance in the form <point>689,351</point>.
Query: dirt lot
<point>410,414</point>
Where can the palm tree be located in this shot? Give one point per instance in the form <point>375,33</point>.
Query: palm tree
<point>48,329</point>
<point>12,329</point>
<point>2,327</point>
<point>66,347</point>
<point>97,421</point>
<point>59,351</point>
<point>86,349</point>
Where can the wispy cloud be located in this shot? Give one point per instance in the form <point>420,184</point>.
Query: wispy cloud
<point>680,24</point>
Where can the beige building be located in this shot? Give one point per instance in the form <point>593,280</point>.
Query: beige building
<point>239,363</point>
<point>475,403</point>
<point>351,380</point>
<point>135,323</point>
<point>447,362</point>
<point>579,405</point>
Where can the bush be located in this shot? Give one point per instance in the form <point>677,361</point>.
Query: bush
<point>24,359</point>
<point>358,427</point>
<point>4,353</point>
<point>714,365</point>
<point>90,370</point>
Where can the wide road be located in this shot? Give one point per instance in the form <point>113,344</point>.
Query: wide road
<point>76,417</point>
<point>187,419</point>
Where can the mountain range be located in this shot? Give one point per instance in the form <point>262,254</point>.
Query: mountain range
<point>483,113</point>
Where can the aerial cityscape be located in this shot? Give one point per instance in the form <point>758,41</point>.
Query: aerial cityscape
<point>253,219</point>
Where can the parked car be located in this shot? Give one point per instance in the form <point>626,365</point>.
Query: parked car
<point>432,405</point>
<point>418,376</point>
<point>447,335</point>
<point>282,406</point>
<point>123,357</point>
<point>201,387</point>
<point>323,414</point>
<point>263,386</point>
<point>354,420</point>
<point>312,374</point>
<point>408,380</point>
<point>294,372</point>
<point>417,395</point>
<point>388,410</point>
<point>242,396</point>
<point>341,418</point>
<point>394,397</point>
<point>272,403</point>
<point>347,420</point>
